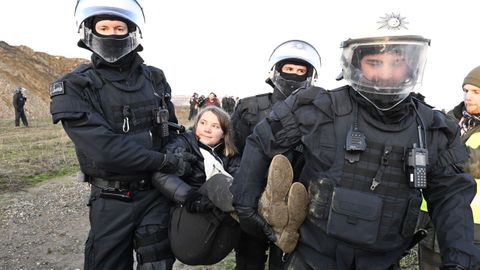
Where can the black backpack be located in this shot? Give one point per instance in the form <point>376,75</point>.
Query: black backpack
<point>202,238</point>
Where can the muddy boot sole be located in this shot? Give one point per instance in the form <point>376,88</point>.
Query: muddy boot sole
<point>297,204</point>
<point>273,203</point>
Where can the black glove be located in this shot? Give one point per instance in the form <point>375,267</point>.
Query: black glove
<point>178,163</point>
<point>450,266</point>
<point>198,203</point>
<point>252,223</point>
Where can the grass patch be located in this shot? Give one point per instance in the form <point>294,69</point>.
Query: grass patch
<point>52,174</point>
<point>40,152</point>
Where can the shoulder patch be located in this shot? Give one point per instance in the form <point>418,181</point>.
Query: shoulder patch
<point>56,89</point>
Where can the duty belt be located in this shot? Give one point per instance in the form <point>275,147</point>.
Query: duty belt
<point>138,185</point>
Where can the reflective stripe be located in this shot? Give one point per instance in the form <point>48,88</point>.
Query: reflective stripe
<point>476,205</point>
<point>474,140</point>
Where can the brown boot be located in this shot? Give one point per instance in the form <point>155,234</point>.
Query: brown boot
<point>273,203</point>
<point>297,204</point>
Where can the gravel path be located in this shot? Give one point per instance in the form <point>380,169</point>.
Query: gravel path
<point>45,226</point>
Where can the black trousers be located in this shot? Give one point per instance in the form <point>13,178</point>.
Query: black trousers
<point>116,224</point>
<point>251,254</point>
<point>20,114</point>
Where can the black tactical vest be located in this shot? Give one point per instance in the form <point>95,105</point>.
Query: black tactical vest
<point>366,200</point>
<point>128,112</point>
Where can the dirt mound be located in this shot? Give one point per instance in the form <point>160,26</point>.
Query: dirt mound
<point>21,66</point>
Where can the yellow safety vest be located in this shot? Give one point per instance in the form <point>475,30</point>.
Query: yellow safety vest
<point>473,142</point>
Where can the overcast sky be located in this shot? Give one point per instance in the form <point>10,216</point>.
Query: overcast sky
<point>223,45</point>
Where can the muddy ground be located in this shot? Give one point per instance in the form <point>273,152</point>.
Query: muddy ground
<point>45,226</point>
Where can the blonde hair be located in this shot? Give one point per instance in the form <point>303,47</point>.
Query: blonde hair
<point>224,118</point>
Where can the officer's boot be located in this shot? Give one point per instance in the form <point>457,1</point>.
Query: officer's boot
<point>273,203</point>
<point>297,204</point>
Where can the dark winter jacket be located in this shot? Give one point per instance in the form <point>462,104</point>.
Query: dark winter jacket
<point>19,101</point>
<point>187,142</point>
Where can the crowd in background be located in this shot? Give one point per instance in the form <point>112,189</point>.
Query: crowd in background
<point>200,101</point>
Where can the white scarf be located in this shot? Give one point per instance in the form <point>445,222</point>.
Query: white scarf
<point>211,165</point>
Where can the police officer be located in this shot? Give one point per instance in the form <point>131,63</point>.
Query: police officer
<point>228,104</point>
<point>294,64</point>
<point>467,114</point>
<point>117,111</point>
<point>19,103</point>
<point>370,151</point>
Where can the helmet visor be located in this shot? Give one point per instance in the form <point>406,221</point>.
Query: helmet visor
<point>389,67</point>
<point>110,48</point>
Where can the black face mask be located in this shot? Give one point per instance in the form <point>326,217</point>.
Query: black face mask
<point>293,77</point>
<point>287,83</point>
<point>287,87</point>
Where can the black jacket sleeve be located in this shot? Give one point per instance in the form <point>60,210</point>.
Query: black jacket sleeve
<point>274,135</point>
<point>171,186</point>
<point>240,125</point>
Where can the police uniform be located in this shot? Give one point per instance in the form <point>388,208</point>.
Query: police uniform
<point>108,110</point>
<point>363,212</point>
<point>19,103</point>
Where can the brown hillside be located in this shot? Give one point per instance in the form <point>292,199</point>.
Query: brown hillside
<point>21,66</point>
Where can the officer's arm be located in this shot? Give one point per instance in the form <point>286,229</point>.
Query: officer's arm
<point>112,151</point>
<point>171,186</point>
<point>273,135</point>
<point>449,194</point>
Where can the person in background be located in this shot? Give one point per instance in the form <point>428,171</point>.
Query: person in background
<point>293,65</point>
<point>18,104</point>
<point>370,152</point>
<point>117,111</point>
<point>228,104</point>
<point>467,114</point>
<point>211,100</point>
<point>193,106</point>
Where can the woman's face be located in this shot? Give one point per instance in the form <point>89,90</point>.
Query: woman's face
<point>209,131</point>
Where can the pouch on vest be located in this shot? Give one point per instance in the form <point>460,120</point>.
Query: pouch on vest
<point>202,238</point>
<point>354,216</point>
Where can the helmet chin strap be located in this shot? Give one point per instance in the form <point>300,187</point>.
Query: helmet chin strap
<point>376,106</point>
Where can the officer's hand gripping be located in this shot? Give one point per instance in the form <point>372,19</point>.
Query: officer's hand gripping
<point>178,163</point>
<point>252,223</point>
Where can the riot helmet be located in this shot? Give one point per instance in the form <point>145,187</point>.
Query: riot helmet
<point>297,52</point>
<point>110,48</point>
<point>384,69</point>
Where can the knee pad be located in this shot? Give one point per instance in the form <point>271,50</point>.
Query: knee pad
<point>152,245</point>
